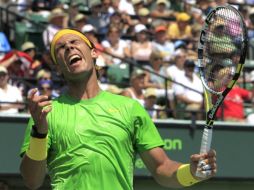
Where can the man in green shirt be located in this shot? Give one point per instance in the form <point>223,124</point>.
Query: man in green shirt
<point>88,138</point>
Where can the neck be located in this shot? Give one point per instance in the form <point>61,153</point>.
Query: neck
<point>156,67</point>
<point>190,76</point>
<point>137,91</point>
<point>84,89</point>
<point>4,87</point>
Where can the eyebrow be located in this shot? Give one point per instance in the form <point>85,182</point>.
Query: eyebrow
<point>74,38</point>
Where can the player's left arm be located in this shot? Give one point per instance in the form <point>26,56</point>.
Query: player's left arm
<point>170,173</point>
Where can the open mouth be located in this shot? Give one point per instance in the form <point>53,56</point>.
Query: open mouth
<point>74,59</point>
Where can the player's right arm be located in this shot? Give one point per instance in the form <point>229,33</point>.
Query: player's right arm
<point>33,165</point>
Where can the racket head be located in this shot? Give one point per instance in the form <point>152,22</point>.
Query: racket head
<point>222,49</point>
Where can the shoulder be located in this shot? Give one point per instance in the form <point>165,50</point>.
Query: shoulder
<point>105,43</point>
<point>123,42</point>
<point>173,26</point>
<point>117,98</point>
<point>123,101</point>
<point>13,89</point>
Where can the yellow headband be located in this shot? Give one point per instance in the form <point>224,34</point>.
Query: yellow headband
<point>62,32</point>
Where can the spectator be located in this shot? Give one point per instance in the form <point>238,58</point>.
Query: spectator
<point>115,5</point>
<point>161,9</point>
<point>90,31</point>
<point>250,116</point>
<point>29,48</point>
<point>232,108</point>
<point>120,20</point>
<point>107,7</point>
<point>116,20</point>
<point>8,59</point>
<point>126,6</point>
<point>57,19</point>
<point>157,66</point>
<point>144,17</point>
<point>45,87</point>
<point>5,46</point>
<point>114,89</point>
<point>136,88</point>
<point>115,46</point>
<point>43,74</point>
<point>155,111</point>
<point>250,25</point>
<point>206,6</point>
<point>181,29</point>
<point>227,46</point>
<point>138,4</point>
<point>192,101</point>
<point>177,68</point>
<point>188,6</point>
<point>44,79</point>
<point>102,71</point>
<point>73,11</point>
<point>18,63</point>
<point>100,20</point>
<point>9,93</point>
<point>80,21</point>
<point>91,34</point>
<point>141,47</point>
<point>162,44</point>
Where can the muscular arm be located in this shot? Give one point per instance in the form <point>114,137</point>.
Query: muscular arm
<point>33,165</point>
<point>164,169</point>
<point>33,172</point>
<point>161,167</point>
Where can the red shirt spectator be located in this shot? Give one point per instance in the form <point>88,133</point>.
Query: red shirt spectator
<point>233,105</point>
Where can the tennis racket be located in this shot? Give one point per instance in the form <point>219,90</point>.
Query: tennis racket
<point>221,54</point>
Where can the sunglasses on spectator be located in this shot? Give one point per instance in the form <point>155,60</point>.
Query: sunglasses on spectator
<point>2,74</point>
<point>157,58</point>
<point>46,88</point>
<point>45,78</point>
<point>29,50</point>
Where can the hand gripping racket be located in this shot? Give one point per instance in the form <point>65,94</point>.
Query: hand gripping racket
<point>221,54</point>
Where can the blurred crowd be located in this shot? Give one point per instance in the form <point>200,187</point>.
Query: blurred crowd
<point>147,50</point>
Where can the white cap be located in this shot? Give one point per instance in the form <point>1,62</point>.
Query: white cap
<point>178,52</point>
<point>139,28</point>
<point>88,28</point>
<point>3,69</point>
<point>165,2</point>
<point>251,11</point>
<point>150,92</point>
<point>191,2</point>
<point>134,2</point>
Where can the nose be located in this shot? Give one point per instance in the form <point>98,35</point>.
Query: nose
<point>69,45</point>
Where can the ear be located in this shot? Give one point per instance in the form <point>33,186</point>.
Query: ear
<point>94,53</point>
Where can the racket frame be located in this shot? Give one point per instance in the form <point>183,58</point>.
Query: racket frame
<point>208,92</point>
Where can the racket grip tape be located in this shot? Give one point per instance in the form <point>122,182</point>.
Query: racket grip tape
<point>205,147</point>
<point>206,140</point>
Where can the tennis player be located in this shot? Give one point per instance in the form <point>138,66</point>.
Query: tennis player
<point>87,138</point>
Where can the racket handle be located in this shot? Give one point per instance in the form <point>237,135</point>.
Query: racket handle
<point>205,147</point>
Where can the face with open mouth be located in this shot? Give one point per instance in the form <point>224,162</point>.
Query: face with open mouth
<point>74,57</point>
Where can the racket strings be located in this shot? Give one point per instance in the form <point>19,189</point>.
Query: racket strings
<point>222,49</point>
<point>217,75</point>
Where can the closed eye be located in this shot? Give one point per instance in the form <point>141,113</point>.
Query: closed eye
<point>74,41</point>
<point>60,47</point>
